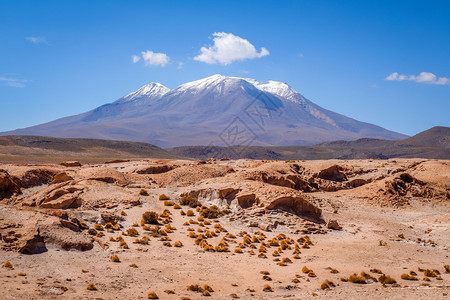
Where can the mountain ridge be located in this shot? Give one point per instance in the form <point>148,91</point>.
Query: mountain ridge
<point>200,112</point>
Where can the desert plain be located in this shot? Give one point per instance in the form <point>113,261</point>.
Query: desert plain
<point>226,229</point>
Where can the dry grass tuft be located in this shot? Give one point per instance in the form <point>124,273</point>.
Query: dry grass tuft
<point>164,197</point>
<point>115,258</point>
<point>357,279</point>
<point>152,295</point>
<point>143,192</point>
<point>386,279</point>
<point>190,201</point>
<point>267,288</point>
<point>98,227</point>
<point>91,287</point>
<point>408,277</point>
<point>150,217</point>
<point>327,284</point>
<point>8,265</point>
<point>447,269</point>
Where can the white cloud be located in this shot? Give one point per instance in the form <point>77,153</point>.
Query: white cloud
<point>36,39</point>
<point>155,59</point>
<point>13,82</point>
<point>423,77</point>
<point>180,65</point>
<point>135,58</point>
<point>228,48</point>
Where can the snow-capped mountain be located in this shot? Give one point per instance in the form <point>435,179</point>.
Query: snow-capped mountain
<point>216,110</point>
<point>153,90</point>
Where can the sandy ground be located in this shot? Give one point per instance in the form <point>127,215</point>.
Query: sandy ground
<point>375,235</point>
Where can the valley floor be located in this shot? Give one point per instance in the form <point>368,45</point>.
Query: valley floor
<point>388,224</point>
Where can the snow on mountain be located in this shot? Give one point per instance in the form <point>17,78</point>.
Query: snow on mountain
<point>153,89</point>
<point>213,110</point>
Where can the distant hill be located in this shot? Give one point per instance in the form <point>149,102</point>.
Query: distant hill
<point>18,148</point>
<point>432,143</point>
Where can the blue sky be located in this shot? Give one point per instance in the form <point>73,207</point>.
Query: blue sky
<point>59,58</point>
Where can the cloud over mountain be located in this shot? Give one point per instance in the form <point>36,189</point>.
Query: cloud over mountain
<point>228,48</point>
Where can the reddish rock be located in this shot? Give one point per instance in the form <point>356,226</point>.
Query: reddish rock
<point>7,185</point>
<point>71,164</point>
<point>333,173</point>
<point>246,200</point>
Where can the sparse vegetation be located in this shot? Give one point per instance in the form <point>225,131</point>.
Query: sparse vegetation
<point>267,288</point>
<point>190,201</point>
<point>164,197</point>
<point>150,217</point>
<point>195,288</point>
<point>132,232</point>
<point>334,271</point>
<point>327,284</point>
<point>357,279</point>
<point>152,295</point>
<point>213,212</point>
<point>91,287</point>
<point>143,192</point>
<point>8,265</point>
<point>447,269</point>
<point>115,258</point>
<point>385,279</point>
<point>408,277</point>
<point>178,244</point>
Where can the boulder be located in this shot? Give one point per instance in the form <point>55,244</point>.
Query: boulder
<point>63,198</point>
<point>110,217</point>
<point>333,224</point>
<point>61,177</point>
<point>65,238</point>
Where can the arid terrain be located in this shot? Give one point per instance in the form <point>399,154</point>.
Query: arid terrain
<point>227,229</point>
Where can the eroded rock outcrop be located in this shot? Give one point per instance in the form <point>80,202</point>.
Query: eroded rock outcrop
<point>58,196</point>
<point>333,173</point>
<point>155,169</point>
<point>298,206</point>
<point>107,175</point>
<point>7,185</point>
<point>61,177</point>
<point>37,177</point>
<point>246,200</point>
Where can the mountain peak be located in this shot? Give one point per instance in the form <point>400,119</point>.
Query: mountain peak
<point>218,82</point>
<point>152,89</point>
